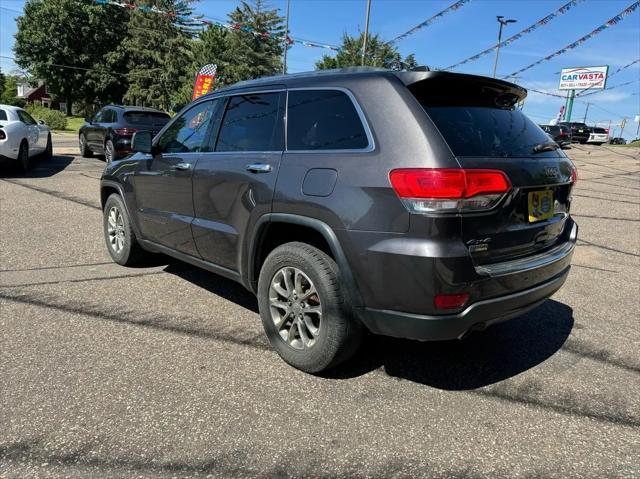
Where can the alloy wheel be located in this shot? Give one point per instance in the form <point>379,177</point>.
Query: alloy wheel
<point>115,230</point>
<point>108,152</point>
<point>295,308</point>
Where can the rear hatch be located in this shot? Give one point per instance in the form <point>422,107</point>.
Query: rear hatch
<point>479,119</point>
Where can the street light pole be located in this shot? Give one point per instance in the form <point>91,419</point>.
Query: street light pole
<point>366,32</point>
<point>502,23</point>
<point>286,40</point>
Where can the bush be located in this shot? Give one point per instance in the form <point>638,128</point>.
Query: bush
<point>56,120</point>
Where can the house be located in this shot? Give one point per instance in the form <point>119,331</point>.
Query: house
<point>39,93</point>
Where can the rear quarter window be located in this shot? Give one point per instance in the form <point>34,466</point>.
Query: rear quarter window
<point>3,115</point>
<point>323,120</point>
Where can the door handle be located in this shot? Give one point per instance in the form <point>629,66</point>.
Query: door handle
<point>259,168</point>
<point>182,166</point>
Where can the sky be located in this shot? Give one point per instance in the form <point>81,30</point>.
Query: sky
<point>461,34</point>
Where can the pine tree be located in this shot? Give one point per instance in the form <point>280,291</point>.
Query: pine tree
<point>157,52</point>
<point>379,54</point>
<point>255,46</point>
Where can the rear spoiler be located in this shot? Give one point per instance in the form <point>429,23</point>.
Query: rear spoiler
<point>462,81</point>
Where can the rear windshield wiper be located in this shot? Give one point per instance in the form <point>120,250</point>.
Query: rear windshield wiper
<point>540,147</point>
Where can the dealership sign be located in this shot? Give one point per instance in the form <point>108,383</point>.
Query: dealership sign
<point>582,78</point>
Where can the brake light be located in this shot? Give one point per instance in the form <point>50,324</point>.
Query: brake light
<point>425,190</point>
<point>450,301</point>
<point>125,131</point>
<point>574,175</point>
<point>3,135</point>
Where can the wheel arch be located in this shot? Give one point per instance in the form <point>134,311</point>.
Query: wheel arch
<point>299,228</point>
<point>107,188</point>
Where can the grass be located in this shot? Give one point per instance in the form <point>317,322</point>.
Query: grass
<point>73,124</point>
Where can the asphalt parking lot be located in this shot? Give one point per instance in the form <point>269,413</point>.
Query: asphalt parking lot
<point>164,371</point>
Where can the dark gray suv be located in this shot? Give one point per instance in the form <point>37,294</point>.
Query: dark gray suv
<point>420,205</point>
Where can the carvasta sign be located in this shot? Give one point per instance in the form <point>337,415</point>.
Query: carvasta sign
<point>582,78</point>
<point>204,80</point>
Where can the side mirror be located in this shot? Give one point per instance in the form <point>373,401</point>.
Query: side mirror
<point>141,142</point>
<point>41,122</point>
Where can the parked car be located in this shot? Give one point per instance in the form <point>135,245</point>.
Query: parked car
<point>399,202</point>
<point>579,131</point>
<point>110,130</point>
<point>561,134</point>
<point>22,138</point>
<point>598,136</point>
<point>617,141</point>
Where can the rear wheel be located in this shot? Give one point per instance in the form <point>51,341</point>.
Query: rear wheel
<point>84,149</point>
<point>23,157</point>
<point>303,310</point>
<point>109,151</point>
<point>118,233</point>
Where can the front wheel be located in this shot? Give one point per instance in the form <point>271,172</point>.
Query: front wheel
<point>118,233</point>
<point>303,310</point>
<point>48,151</point>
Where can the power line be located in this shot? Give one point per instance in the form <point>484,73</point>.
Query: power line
<point>612,21</point>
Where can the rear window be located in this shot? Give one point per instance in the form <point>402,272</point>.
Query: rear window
<point>480,119</point>
<point>599,130</point>
<point>323,120</point>
<point>3,115</point>
<point>146,118</point>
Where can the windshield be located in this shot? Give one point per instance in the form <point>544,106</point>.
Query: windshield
<point>487,131</point>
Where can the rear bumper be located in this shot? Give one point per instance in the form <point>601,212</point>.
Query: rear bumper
<point>475,317</point>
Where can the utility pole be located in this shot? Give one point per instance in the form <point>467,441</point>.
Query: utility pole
<point>585,113</point>
<point>502,22</point>
<point>366,32</point>
<point>286,40</point>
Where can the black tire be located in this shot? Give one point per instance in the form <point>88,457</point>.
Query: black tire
<point>84,149</point>
<point>23,157</point>
<point>338,334</point>
<point>47,154</point>
<point>131,252</point>
<point>110,153</point>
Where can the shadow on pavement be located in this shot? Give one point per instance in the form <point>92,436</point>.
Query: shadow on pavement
<point>502,351</point>
<point>39,168</point>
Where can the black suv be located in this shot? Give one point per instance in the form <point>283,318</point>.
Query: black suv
<point>420,205</point>
<point>110,130</point>
<point>579,131</point>
<point>561,134</point>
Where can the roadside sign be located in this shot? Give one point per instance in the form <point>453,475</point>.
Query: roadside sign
<point>581,78</point>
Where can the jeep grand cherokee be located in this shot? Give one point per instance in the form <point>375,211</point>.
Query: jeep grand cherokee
<point>420,205</point>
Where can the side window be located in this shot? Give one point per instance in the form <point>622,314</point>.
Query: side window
<point>108,116</point>
<point>3,115</point>
<point>253,122</point>
<point>323,120</point>
<point>26,118</point>
<point>187,133</point>
<point>98,117</point>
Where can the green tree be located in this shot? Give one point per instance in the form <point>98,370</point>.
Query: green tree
<point>255,48</point>
<point>158,52</point>
<point>66,43</point>
<point>10,90</point>
<point>379,54</point>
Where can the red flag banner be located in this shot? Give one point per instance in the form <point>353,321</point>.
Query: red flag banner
<point>204,80</point>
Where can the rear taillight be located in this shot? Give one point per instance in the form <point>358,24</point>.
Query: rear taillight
<point>450,301</point>
<point>574,175</point>
<point>3,135</point>
<point>125,131</point>
<point>432,190</point>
